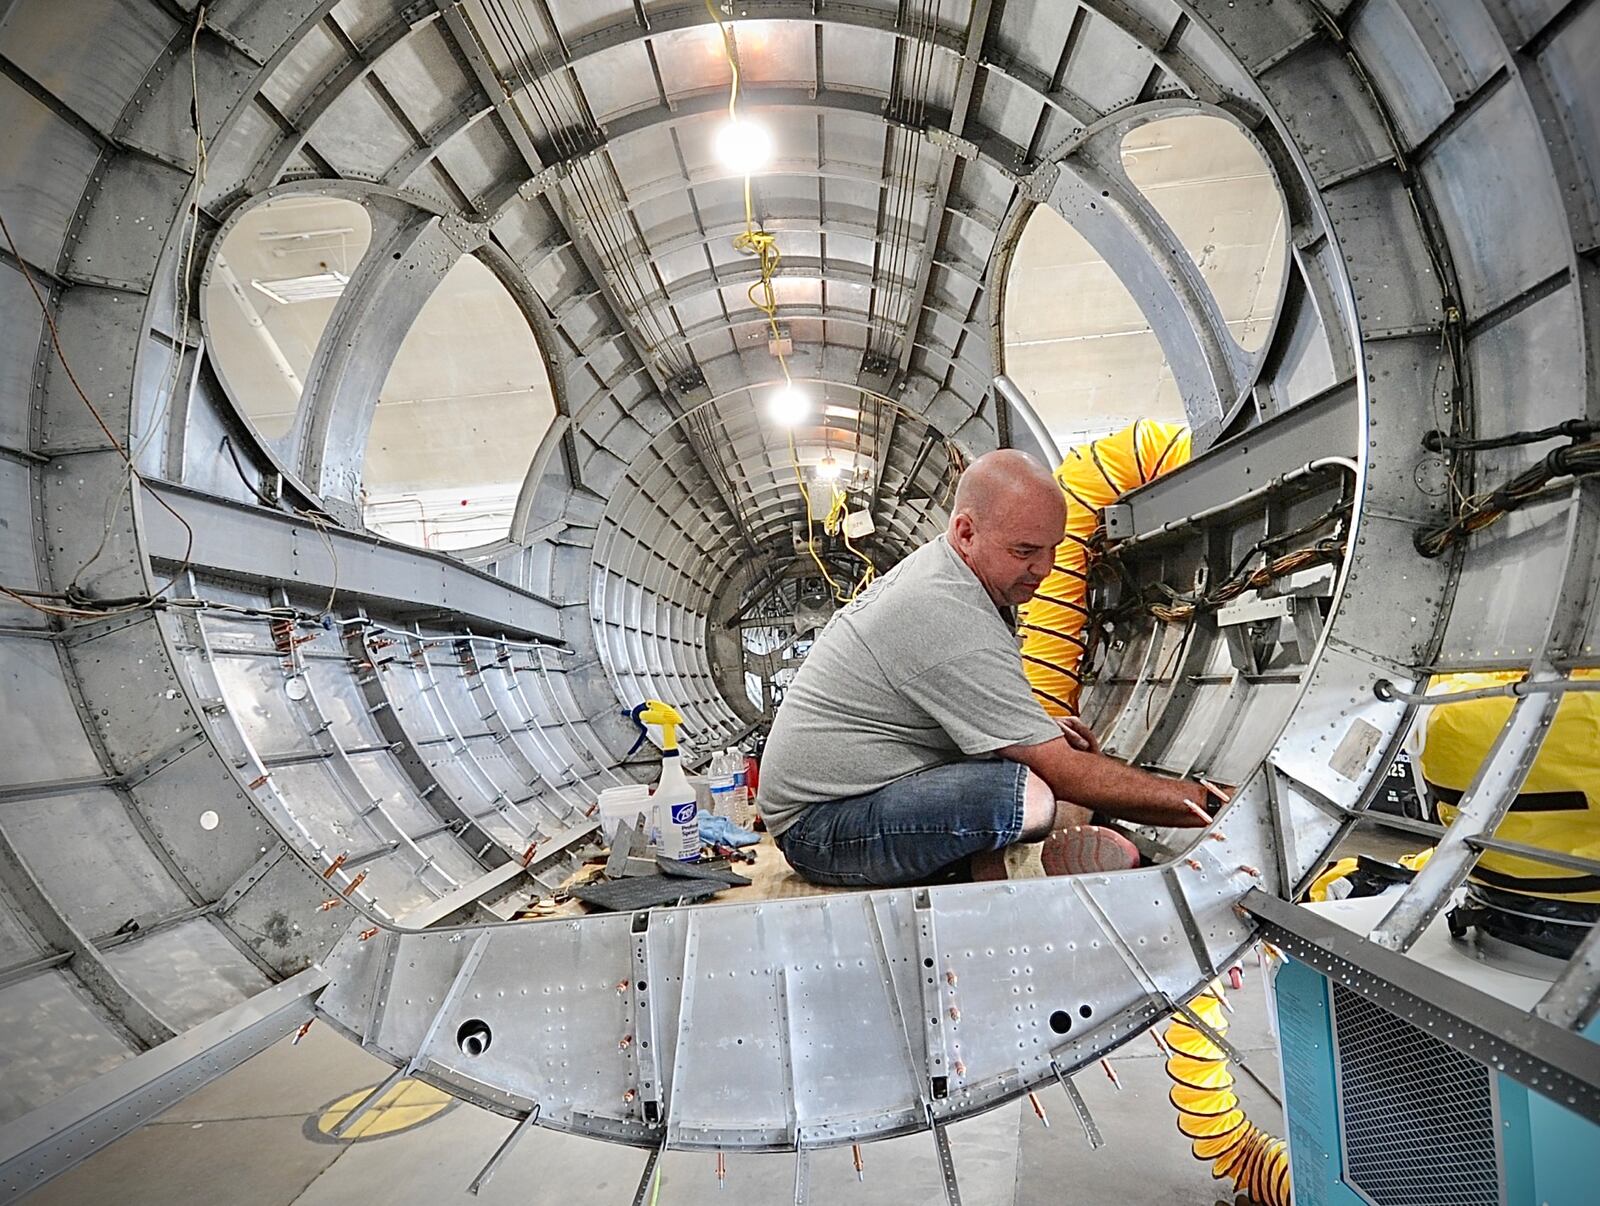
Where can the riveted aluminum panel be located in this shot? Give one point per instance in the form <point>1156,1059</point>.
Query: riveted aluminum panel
<point>102,319</point>
<point>380,774</point>
<point>1396,289</point>
<point>1392,50</point>
<point>339,699</point>
<point>173,803</point>
<point>617,81</point>
<point>1493,624</point>
<point>139,200</point>
<point>17,565</point>
<point>319,800</point>
<point>45,164</point>
<point>1568,70</point>
<point>360,135</point>
<point>262,29</point>
<point>480,160</point>
<point>94,76</point>
<point>315,57</point>
<point>450,858</point>
<point>1339,726</point>
<point>425,79</point>
<point>278,918</point>
<point>1316,86</point>
<point>1490,178</point>
<point>187,973</point>
<point>91,859</point>
<point>254,689</point>
<point>18,943</point>
<point>21,328</point>
<point>159,120</point>
<point>51,1038</point>
<point>42,728</point>
<point>361,19</point>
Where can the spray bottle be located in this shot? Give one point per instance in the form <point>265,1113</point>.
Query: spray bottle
<point>674,800</point>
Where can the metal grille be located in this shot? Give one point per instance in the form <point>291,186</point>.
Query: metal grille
<point>1418,1116</point>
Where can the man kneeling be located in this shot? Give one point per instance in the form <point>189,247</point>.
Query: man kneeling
<point>910,744</point>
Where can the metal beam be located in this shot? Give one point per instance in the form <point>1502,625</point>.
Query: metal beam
<point>488,80</point>
<point>1547,1058</point>
<point>82,1121</point>
<point>85,962</point>
<point>245,541</point>
<point>971,63</point>
<point>1326,426</point>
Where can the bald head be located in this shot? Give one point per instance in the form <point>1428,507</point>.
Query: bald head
<point>1007,518</point>
<point>1006,480</point>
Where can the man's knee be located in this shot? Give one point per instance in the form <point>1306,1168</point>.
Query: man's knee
<point>1042,812</point>
<point>1038,809</point>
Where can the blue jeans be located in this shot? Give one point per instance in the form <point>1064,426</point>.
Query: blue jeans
<point>911,830</point>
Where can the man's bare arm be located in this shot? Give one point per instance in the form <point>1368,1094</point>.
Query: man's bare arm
<point>1111,787</point>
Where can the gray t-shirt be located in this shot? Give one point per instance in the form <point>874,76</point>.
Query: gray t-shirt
<point>920,670</point>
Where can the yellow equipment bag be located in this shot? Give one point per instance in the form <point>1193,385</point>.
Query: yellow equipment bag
<point>1093,476</point>
<point>1559,805</point>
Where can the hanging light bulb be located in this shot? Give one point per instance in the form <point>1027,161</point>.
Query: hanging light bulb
<point>744,146</point>
<point>828,469</point>
<point>789,405</point>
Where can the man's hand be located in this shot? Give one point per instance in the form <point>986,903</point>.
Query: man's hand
<point>1079,735</point>
<point>1095,781</point>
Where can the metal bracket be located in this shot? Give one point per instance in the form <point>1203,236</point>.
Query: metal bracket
<point>517,1132</point>
<point>457,986</point>
<point>646,1053</point>
<point>1080,1107</point>
<point>933,1003</point>
<point>647,1178</point>
<point>947,1165</point>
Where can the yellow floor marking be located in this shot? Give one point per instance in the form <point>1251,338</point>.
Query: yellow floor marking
<point>410,1103</point>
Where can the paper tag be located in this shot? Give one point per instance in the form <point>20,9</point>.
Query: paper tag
<point>1355,751</point>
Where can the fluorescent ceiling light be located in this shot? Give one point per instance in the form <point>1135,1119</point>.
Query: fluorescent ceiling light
<point>319,286</point>
<point>744,146</point>
<point>788,405</point>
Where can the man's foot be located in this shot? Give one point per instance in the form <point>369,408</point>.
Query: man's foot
<point>1083,849</point>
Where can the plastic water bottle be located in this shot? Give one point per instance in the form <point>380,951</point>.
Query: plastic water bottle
<point>720,776</point>
<point>740,794</point>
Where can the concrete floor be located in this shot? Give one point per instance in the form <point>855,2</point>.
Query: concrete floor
<point>251,1139</point>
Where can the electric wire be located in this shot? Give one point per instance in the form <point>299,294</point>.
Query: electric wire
<point>78,605</point>
<point>757,241</point>
<point>1576,460</point>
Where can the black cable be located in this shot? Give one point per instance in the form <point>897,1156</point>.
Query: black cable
<point>1572,429</point>
<point>1573,460</point>
<point>227,442</point>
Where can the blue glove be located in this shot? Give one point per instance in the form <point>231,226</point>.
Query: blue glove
<point>719,831</point>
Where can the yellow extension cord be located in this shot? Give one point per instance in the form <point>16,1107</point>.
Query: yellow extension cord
<point>1209,1113</point>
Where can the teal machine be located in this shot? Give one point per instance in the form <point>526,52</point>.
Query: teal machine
<point>1398,1080</point>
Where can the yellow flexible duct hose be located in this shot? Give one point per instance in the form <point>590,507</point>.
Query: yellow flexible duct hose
<point>1209,1113</point>
<point>1092,476</point>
